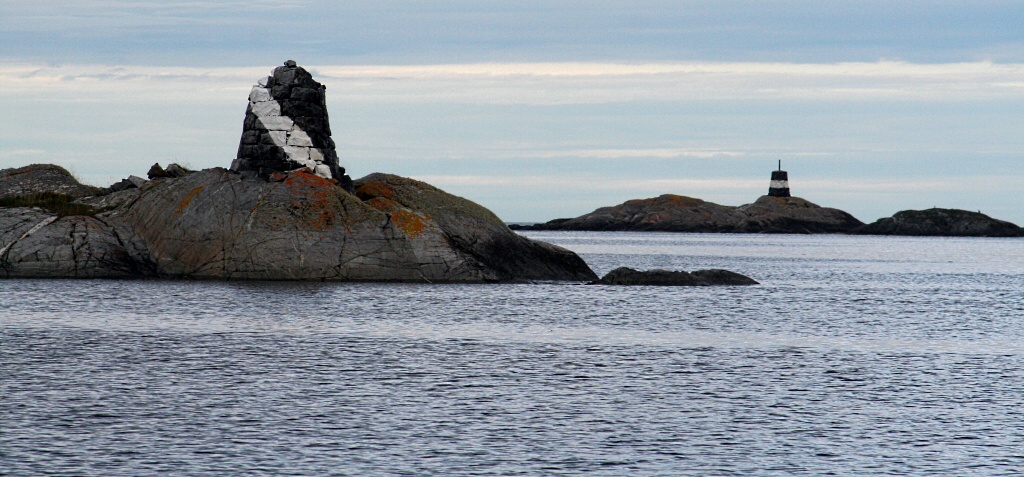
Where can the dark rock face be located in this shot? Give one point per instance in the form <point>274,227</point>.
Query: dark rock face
<point>42,178</point>
<point>286,127</point>
<point>699,278</point>
<point>123,184</point>
<point>941,222</point>
<point>673,213</point>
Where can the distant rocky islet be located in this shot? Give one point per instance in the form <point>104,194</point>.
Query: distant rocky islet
<point>777,212</point>
<point>675,213</point>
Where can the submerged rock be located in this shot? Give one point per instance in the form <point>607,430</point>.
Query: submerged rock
<point>674,213</point>
<point>699,278</point>
<point>941,222</point>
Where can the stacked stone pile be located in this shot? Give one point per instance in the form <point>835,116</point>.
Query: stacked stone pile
<point>286,127</point>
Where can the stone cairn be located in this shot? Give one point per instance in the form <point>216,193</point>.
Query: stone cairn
<point>286,128</point>
<point>780,183</point>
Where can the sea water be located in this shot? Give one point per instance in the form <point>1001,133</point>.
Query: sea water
<point>855,356</point>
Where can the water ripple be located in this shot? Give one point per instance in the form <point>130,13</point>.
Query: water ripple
<point>902,364</point>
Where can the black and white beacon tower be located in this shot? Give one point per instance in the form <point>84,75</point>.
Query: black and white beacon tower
<point>780,183</point>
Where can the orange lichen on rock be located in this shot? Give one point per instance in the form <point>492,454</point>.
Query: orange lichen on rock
<point>188,199</point>
<point>412,223</point>
<point>384,205</point>
<point>312,198</point>
<point>372,190</point>
<point>665,200</point>
<point>683,200</point>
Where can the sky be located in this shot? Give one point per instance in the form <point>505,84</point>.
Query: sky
<point>546,109</point>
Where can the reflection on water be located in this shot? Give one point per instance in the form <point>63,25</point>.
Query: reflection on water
<point>856,355</point>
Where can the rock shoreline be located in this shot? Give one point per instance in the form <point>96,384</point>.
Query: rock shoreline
<point>221,224</point>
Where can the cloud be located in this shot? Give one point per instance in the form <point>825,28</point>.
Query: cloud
<point>21,154</point>
<point>605,183</point>
<point>548,83</point>
<point>212,32</point>
<point>587,83</point>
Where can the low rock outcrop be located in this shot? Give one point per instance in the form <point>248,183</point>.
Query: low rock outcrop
<point>941,222</point>
<point>219,224</point>
<point>699,278</point>
<point>42,179</point>
<point>674,213</point>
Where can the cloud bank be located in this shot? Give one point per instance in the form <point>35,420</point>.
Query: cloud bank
<point>588,133</point>
<point>549,83</point>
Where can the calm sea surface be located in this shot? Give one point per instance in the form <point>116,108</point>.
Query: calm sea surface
<point>856,356</point>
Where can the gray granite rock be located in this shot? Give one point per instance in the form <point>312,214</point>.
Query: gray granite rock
<point>112,200</point>
<point>469,228</point>
<point>219,224</point>
<point>137,181</point>
<point>34,243</point>
<point>123,184</point>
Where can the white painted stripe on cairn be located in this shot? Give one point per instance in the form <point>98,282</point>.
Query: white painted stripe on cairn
<point>285,133</point>
<point>779,185</point>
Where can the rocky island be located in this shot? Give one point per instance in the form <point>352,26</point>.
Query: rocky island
<point>675,213</point>
<point>777,212</point>
<point>941,222</point>
<point>285,210</point>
